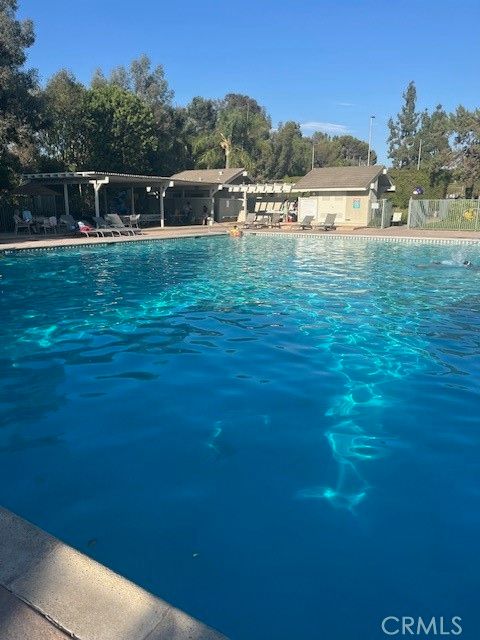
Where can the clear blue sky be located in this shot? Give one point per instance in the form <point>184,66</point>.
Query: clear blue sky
<point>328,64</point>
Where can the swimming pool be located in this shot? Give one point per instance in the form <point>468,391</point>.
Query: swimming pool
<point>279,435</point>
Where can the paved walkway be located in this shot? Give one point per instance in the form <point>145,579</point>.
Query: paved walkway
<point>49,591</point>
<point>39,241</point>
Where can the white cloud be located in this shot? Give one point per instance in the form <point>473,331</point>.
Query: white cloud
<point>344,104</point>
<point>325,127</point>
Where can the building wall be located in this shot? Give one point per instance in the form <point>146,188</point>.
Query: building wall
<point>352,208</point>
<point>227,208</point>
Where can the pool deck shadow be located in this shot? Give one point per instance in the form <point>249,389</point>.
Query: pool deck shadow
<point>50,591</point>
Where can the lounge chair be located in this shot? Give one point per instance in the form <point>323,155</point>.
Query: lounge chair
<point>396,218</point>
<point>86,230</point>
<point>276,219</point>
<point>22,224</point>
<point>328,223</point>
<point>306,223</point>
<point>251,221</point>
<point>114,221</point>
<point>69,223</point>
<point>103,227</point>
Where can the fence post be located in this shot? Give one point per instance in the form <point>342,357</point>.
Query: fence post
<point>409,213</point>
<point>476,216</point>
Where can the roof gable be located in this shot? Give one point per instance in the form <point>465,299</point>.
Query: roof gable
<point>339,178</point>
<point>209,176</point>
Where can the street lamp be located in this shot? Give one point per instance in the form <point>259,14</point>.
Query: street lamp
<point>370,141</point>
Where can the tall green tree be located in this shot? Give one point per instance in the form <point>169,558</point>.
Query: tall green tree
<point>403,140</point>
<point>20,109</point>
<point>340,151</point>
<point>289,153</point>
<point>64,137</point>
<point>140,78</point>
<point>466,155</point>
<point>150,85</point>
<point>120,130</point>
<point>434,132</point>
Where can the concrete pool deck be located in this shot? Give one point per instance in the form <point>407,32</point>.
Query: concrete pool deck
<point>12,242</point>
<point>50,591</point>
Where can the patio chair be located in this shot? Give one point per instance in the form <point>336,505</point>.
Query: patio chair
<point>249,220</point>
<point>69,223</point>
<point>135,220</point>
<point>306,223</point>
<point>396,218</point>
<point>328,223</point>
<point>277,217</point>
<point>22,224</point>
<point>114,221</point>
<point>49,224</point>
<point>102,226</point>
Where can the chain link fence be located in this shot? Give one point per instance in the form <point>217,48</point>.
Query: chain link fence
<point>381,216</point>
<point>451,215</point>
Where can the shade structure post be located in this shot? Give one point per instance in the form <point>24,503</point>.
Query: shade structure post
<point>97,185</point>
<point>132,201</point>
<point>65,198</point>
<point>161,195</point>
<point>96,188</point>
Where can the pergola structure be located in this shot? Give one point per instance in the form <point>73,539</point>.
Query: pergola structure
<point>259,189</point>
<point>99,179</point>
<point>210,181</point>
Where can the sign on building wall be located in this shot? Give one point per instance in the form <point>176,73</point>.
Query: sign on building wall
<point>356,203</point>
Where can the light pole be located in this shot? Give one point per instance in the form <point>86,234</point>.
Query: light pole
<point>370,140</point>
<point>419,155</point>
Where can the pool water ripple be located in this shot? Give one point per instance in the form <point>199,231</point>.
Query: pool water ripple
<point>252,426</point>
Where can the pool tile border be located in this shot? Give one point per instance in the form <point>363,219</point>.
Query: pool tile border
<point>92,245</point>
<point>346,236</point>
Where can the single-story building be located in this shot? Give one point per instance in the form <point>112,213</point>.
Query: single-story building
<point>351,193</point>
<point>199,188</point>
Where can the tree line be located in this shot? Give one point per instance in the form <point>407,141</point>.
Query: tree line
<point>444,146</point>
<point>126,121</point>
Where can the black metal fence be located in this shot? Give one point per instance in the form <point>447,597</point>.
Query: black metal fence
<point>7,209</point>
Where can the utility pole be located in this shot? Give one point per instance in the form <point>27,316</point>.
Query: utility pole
<point>419,155</point>
<point>370,140</point>
<point>313,155</point>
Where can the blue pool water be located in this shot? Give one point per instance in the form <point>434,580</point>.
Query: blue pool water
<point>278,435</point>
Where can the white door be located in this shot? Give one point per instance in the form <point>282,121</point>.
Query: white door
<point>307,207</point>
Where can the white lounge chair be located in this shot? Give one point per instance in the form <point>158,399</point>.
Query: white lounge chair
<point>103,227</point>
<point>86,230</point>
<point>114,221</point>
<point>396,218</point>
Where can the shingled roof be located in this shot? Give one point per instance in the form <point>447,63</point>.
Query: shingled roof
<point>339,178</point>
<point>209,176</point>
